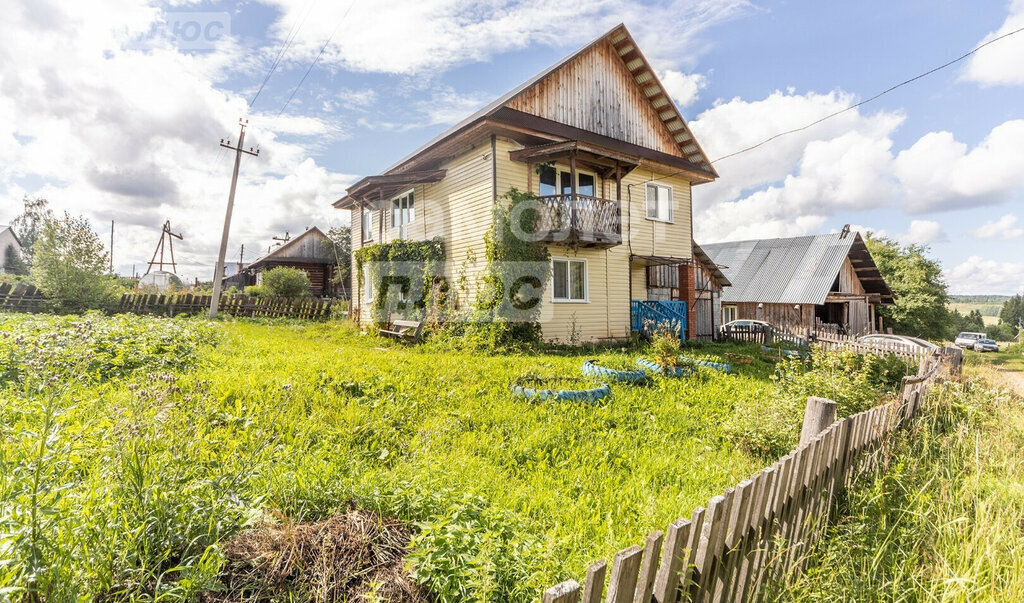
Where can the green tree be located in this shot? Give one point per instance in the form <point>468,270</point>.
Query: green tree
<point>338,247</point>
<point>916,280</point>
<point>29,225</point>
<point>1012,313</point>
<point>70,266</point>
<point>13,264</point>
<point>285,282</point>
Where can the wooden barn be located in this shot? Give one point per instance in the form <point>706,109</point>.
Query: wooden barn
<point>307,252</point>
<point>825,282</point>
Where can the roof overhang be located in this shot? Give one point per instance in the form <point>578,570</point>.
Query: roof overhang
<point>606,162</point>
<point>710,265</point>
<point>384,186</point>
<point>867,272</point>
<point>525,123</point>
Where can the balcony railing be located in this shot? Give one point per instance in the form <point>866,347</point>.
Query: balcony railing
<point>579,220</point>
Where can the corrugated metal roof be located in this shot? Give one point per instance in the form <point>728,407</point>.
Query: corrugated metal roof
<point>799,270</point>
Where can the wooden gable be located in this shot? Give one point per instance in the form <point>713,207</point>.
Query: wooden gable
<point>609,88</point>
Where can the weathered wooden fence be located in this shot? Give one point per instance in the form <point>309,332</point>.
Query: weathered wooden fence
<point>764,527</point>
<point>761,334</point>
<point>20,297</point>
<point>236,305</point>
<point>913,353</point>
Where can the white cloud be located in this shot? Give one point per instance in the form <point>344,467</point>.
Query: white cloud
<point>435,35</point>
<point>792,185</point>
<point>922,232</point>
<point>939,173</point>
<point>1001,229</point>
<point>1000,63</point>
<point>684,88</point>
<point>120,129</point>
<point>979,276</point>
<point>799,181</point>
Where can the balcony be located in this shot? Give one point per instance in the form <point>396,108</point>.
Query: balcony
<point>579,220</point>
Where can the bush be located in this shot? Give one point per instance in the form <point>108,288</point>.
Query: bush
<point>286,282</point>
<point>254,291</point>
<point>70,266</point>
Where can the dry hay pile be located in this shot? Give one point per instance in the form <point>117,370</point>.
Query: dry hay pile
<point>357,556</point>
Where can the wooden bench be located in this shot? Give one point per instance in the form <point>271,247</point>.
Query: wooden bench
<point>405,330</point>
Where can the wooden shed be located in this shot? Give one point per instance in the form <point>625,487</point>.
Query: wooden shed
<point>307,252</point>
<point>802,284</point>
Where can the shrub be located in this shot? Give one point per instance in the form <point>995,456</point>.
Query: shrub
<point>254,291</point>
<point>286,282</point>
<point>666,347</point>
<point>70,266</point>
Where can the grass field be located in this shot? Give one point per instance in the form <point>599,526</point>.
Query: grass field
<point>942,520</point>
<point>133,447</point>
<point>989,312</point>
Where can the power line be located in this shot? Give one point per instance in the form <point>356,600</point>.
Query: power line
<point>866,101</point>
<point>286,45</point>
<point>315,60</point>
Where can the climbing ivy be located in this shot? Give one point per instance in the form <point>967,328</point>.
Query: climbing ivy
<point>410,265</point>
<point>517,261</point>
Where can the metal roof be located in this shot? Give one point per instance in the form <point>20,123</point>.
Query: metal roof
<point>799,270</point>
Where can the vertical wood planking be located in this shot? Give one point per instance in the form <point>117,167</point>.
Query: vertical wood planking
<point>673,553</point>
<point>625,571</point>
<point>648,568</point>
<point>593,587</point>
<point>566,592</point>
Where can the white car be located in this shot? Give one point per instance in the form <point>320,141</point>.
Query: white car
<point>744,322</point>
<point>986,345</point>
<point>967,339</point>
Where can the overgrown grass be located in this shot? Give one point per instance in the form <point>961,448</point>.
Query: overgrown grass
<point>132,446</point>
<point>941,521</point>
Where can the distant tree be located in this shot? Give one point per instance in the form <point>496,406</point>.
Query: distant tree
<point>972,322</point>
<point>285,282</point>
<point>29,225</point>
<point>70,266</point>
<point>1012,312</point>
<point>338,246</point>
<point>13,264</point>
<point>916,280</point>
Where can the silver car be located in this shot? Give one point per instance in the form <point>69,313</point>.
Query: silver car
<point>986,345</point>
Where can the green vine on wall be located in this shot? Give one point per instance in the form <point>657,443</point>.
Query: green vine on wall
<point>409,265</point>
<point>517,262</point>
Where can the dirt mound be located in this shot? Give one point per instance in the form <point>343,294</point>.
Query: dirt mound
<point>352,557</point>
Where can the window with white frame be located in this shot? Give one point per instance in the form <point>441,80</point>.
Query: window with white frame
<point>403,212</point>
<point>659,202</point>
<point>367,284</point>
<point>367,224</point>
<point>569,280</point>
<point>729,314</point>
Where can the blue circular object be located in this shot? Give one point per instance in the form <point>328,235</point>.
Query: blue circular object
<point>533,389</point>
<point>591,368</point>
<point>654,367</point>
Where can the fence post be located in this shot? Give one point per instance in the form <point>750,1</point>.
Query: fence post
<point>818,415</point>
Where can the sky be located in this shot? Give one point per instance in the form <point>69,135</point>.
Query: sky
<point>115,110</point>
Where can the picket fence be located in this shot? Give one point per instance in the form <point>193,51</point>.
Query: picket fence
<point>764,527</point>
<point>20,297</point>
<point>236,305</point>
<point>761,334</point>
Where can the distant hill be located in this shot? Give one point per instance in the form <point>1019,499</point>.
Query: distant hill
<point>979,299</point>
<point>988,305</point>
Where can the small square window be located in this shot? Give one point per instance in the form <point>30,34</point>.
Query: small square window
<point>569,280</point>
<point>659,203</point>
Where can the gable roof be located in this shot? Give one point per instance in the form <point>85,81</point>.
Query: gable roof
<point>799,270</point>
<point>5,227</point>
<point>287,252</point>
<point>673,141</point>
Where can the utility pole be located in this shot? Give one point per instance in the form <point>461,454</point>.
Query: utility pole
<point>218,273</point>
